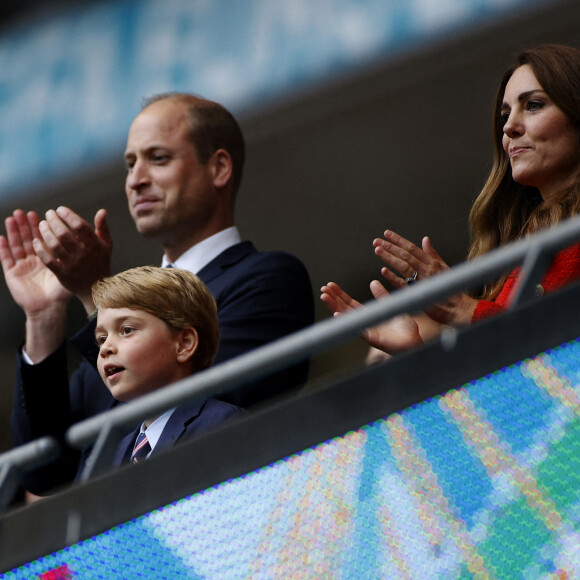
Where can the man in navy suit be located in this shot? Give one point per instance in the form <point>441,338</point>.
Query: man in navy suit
<point>184,160</point>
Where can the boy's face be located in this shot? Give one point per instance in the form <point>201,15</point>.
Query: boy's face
<point>138,352</point>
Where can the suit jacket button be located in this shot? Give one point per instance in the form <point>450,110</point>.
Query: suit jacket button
<point>540,290</point>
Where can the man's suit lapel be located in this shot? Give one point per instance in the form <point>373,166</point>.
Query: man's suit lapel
<point>225,260</point>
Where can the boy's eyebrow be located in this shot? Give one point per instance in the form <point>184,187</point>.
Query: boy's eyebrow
<point>119,320</point>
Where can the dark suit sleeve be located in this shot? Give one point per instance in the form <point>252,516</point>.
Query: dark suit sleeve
<point>41,394</point>
<point>268,297</point>
<point>42,407</point>
<point>46,403</point>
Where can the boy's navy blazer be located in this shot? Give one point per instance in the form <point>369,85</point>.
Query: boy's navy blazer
<point>261,296</point>
<point>185,422</point>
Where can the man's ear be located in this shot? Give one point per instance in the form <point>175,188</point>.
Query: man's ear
<point>187,343</point>
<point>222,168</point>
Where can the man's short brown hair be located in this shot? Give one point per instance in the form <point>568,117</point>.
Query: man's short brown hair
<point>213,127</point>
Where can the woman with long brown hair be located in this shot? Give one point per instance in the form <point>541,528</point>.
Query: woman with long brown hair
<point>534,184</point>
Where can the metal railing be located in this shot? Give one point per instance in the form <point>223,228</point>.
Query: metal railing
<point>533,253</point>
<point>14,462</point>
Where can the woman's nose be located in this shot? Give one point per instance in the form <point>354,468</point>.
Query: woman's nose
<point>513,125</point>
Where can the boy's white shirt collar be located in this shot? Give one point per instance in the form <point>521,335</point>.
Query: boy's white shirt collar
<point>203,253</point>
<point>154,430</point>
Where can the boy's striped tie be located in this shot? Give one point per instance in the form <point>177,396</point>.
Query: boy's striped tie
<point>141,449</point>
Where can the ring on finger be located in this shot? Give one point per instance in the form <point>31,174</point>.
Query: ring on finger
<point>412,279</point>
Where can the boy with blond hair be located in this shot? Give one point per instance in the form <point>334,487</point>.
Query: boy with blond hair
<point>156,326</point>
